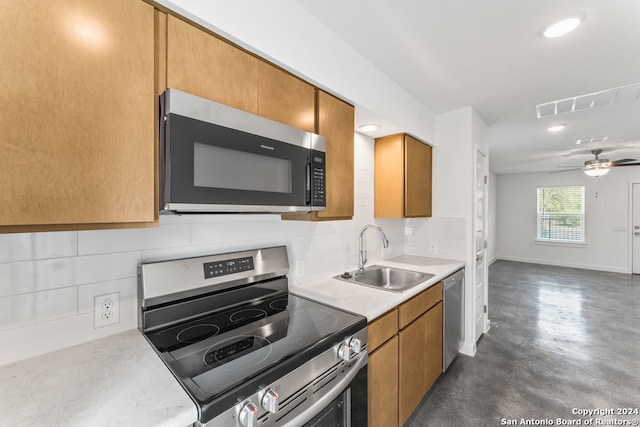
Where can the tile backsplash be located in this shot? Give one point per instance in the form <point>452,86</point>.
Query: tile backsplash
<point>48,280</point>
<point>436,237</point>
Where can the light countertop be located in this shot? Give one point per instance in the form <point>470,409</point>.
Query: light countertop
<point>114,381</point>
<point>371,302</point>
<point>120,380</point>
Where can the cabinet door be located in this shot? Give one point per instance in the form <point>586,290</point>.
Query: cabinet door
<point>417,199</point>
<point>78,111</point>
<point>389,177</point>
<point>383,385</point>
<point>412,367</point>
<point>203,65</point>
<point>433,349</point>
<point>285,98</point>
<point>420,359</point>
<point>335,122</point>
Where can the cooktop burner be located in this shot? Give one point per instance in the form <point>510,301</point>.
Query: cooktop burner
<point>251,339</point>
<point>196,333</point>
<point>247,315</point>
<point>226,333</point>
<point>222,322</point>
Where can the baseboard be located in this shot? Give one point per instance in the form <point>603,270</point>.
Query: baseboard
<point>564,264</point>
<point>468,349</point>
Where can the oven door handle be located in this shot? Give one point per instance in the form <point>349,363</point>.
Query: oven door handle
<point>321,403</point>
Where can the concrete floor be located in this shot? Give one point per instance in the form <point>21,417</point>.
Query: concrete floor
<point>560,338</point>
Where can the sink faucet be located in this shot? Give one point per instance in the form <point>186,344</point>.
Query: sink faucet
<point>362,259</point>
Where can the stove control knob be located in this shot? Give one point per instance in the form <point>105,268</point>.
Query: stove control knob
<point>344,352</point>
<point>270,401</point>
<point>248,416</point>
<point>356,345</point>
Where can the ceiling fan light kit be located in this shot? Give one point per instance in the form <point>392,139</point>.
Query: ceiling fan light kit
<point>597,171</point>
<point>598,167</point>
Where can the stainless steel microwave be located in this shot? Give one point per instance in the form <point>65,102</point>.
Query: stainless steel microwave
<point>214,158</point>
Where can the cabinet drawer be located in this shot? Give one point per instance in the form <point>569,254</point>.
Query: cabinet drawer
<point>412,309</point>
<point>381,329</point>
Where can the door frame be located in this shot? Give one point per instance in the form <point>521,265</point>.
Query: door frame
<point>469,346</point>
<point>485,220</point>
<point>630,230</point>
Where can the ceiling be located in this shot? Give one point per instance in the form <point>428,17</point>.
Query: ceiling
<point>490,55</point>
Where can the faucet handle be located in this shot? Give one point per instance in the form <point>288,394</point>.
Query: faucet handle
<point>364,258</point>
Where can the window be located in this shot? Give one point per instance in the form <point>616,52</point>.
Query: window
<point>561,214</point>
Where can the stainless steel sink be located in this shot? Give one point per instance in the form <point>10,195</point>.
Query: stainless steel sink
<point>387,278</point>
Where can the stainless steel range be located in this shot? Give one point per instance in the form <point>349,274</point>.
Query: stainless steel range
<point>248,352</point>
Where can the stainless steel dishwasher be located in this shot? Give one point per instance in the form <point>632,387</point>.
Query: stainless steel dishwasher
<point>453,322</point>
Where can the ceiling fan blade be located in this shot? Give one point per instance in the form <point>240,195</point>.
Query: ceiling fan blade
<point>617,162</point>
<point>567,170</point>
<point>625,164</point>
<point>572,166</point>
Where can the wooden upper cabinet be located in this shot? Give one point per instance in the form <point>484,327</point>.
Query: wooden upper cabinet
<point>285,98</point>
<point>336,124</point>
<point>335,121</point>
<point>78,109</point>
<point>402,177</point>
<point>206,66</point>
<point>202,64</point>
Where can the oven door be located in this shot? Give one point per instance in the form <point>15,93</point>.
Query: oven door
<point>349,409</point>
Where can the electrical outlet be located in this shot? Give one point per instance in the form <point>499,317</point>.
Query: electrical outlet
<point>433,248</point>
<point>106,310</point>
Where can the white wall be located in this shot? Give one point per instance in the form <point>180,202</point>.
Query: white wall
<point>48,280</point>
<point>452,164</point>
<point>606,220</point>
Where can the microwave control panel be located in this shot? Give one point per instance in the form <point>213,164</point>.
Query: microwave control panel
<point>318,182</point>
<point>227,266</point>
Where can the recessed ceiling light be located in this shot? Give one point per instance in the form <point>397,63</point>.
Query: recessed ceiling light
<point>371,127</point>
<point>556,128</point>
<point>561,28</point>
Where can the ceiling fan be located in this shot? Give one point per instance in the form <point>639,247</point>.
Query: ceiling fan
<point>598,166</point>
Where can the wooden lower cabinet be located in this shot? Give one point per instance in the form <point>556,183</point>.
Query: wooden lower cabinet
<point>383,385</point>
<point>420,359</point>
<point>405,357</point>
